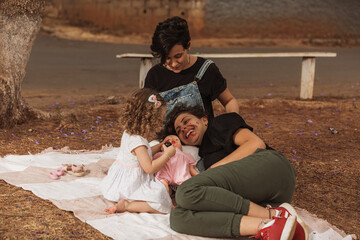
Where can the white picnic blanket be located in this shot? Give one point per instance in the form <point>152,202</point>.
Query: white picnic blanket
<point>82,196</point>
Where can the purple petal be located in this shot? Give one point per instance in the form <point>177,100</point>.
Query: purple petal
<point>309,121</point>
<point>36,142</point>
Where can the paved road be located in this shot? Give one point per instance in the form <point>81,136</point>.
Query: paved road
<point>75,67</point>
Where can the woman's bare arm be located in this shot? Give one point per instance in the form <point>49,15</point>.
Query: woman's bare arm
<point>247,143</point>
<point>228,101</point>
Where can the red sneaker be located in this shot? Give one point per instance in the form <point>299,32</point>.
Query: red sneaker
<point>284,211</point>
<point>278,229</point>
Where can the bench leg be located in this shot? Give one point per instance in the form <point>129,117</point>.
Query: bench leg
<point>307,77</point>
<point>145,65</point>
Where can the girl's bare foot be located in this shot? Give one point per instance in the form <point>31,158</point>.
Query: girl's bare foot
<point>111,209</point>
<point>121,206</point>
<point>118,208</point>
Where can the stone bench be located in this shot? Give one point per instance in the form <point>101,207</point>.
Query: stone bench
<point>307,71</point>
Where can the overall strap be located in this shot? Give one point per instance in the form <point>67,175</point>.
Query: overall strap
<point>203,69</point>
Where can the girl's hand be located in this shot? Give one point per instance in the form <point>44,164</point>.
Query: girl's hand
<point>162,144</point>
<point>170,151</point>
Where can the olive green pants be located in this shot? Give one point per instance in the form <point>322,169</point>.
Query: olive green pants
<point>212,203</point>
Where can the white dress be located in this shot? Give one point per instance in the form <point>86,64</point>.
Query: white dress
<point>127,180</point>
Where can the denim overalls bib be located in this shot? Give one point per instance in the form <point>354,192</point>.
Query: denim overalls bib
<point>188,94</point>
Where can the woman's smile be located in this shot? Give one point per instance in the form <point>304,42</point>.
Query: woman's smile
<point>190,132</point>
<point>190,129</point>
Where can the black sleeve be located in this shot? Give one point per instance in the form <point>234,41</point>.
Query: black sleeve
<point>223,129</point>
<point>229,122</point>
<point>218,140</point>
<point>150,80</point>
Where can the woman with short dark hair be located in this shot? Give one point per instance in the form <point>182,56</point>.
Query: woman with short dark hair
<point>182,77</point>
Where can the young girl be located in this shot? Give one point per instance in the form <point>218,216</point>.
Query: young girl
<point>130,181</point>
<point>179,168</point>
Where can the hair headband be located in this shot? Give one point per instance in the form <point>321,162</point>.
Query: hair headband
<point>153,99</point>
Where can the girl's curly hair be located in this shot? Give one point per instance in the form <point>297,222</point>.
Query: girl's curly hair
<point>141,117</point>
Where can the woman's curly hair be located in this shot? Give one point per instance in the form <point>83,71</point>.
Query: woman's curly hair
<point>168,33</point>
<point>140,116</point>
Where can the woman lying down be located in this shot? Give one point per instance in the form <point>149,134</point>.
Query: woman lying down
<point>246,188</point>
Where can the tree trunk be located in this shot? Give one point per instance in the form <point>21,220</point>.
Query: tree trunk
<point>19,23</point>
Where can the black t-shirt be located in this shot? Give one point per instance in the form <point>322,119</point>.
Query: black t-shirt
<point>218,139</point>
<point>210,86</point>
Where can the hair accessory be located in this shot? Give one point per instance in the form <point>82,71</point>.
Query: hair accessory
<point>153,99</point>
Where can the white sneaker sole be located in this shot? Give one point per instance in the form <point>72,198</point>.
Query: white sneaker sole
<point>293,212</point>
<point>289,228</point>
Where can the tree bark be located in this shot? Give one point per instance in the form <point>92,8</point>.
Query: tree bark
<point>19,23</point>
